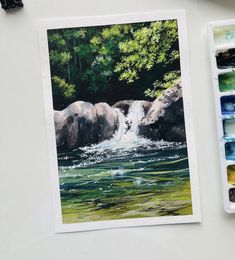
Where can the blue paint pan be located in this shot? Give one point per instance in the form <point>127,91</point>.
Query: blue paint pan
<point>230,151</point>
<point>227,105</point>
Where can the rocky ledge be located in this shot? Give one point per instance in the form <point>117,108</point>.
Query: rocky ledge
<point>165,119</point>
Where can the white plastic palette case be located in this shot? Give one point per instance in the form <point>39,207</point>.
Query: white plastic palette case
<point>222,53</point>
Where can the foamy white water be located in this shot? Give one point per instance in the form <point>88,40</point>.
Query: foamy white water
<point>126,137</point>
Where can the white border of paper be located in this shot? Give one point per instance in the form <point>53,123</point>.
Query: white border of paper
<point>44,25</point>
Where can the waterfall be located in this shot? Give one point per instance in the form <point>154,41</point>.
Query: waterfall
<point>126,136</point>
<point>135,115</point>
<point>122,125</point>
<point>128,126</point>
<point>126,141</point>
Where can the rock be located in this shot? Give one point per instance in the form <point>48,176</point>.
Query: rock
<point>123,105</point>
<point>158,108</point>
<point>60,128</point>
<point>76,125</point>
<point>165,118</point>
<point>147,105</point>
<point>107,121</point>
<point>82,123</point>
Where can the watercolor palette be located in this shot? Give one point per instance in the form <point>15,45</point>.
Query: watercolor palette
<point>222,52</point>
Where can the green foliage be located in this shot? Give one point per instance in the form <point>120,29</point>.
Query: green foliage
<point>56,40</point>
<point>149,46</point>
<point>103,62</point>
<point>59,58</point>
<point>160,86</point>
<point>68,90</point>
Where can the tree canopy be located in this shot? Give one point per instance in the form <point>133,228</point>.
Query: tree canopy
<point>110,63</point>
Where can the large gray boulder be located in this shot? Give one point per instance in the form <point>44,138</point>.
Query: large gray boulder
<point>76,125</point>
<point>165,118</point>
<point>107,121</point>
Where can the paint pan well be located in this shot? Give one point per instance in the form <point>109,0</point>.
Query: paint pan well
<point>229,128</point>
<point>226,59</point>
<point>227,82</point>
<point>224,34</point>
<point>227,105</point>
<point>232,194</point>
<point>231,174</point>
<point>230,151</point>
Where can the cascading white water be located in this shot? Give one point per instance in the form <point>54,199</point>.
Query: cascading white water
<point>126,136</point>
<point>122,125</point>
<point>128,128</point>
<point>135,115</point>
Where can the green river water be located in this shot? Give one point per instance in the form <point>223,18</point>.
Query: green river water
<point>127,176</point>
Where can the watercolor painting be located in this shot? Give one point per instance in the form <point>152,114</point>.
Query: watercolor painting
<point>119,122</point>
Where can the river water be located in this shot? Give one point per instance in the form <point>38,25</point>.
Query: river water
<point>127,176</point>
